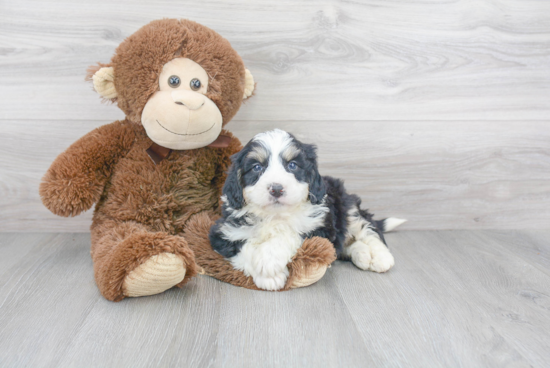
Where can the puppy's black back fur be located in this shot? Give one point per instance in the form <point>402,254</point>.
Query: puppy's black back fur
<point>340,203</point>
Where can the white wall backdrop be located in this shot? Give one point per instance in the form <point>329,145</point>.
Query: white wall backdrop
<point>437,111</point>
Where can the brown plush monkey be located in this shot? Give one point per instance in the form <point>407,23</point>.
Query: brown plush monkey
<point>156,176</point>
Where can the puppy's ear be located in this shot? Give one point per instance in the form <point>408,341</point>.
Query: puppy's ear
<point>232,189</point>
<point>317,188</point>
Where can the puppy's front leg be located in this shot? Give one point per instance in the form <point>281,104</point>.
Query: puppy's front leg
<point>269,266</point>
<point>271,283</point>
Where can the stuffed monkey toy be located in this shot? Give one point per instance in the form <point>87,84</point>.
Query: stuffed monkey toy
<point>156,176</point>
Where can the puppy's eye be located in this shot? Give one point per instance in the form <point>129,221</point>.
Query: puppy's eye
<point>174,81</point>
<point>292,165</point>
<point>257,168</point>
<point>195,84</point>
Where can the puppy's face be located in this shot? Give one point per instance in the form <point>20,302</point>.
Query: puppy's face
<point>274,170</point>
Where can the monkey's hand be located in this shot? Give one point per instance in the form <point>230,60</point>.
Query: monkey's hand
<point>75,180</point>
<point>310,262</point>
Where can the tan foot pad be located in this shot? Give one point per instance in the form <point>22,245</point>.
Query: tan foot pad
<point>157,274</point>
<point>309,276</point>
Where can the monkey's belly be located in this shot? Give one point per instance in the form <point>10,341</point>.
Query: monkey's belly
<point>161,202</point>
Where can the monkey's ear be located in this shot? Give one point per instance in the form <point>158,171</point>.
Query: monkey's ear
<point>249,84</point>
<point>104,81</point>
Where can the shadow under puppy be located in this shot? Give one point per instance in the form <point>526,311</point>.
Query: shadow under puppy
<point>274,198</point>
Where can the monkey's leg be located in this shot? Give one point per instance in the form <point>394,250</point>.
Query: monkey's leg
<point>212,263</point>
<point>307,266</point>
<point>310,262</point>
<point>130,260</point>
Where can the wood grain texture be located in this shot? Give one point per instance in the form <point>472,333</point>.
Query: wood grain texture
<point>436,111</point>
<point>454,298</point>
<point>48,294</point>
<point>460,292</point>
<point>13,248</point>
<point>430,60</point>
<point>439,175</point>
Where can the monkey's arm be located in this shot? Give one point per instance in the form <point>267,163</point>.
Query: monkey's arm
<point>76,178</point>
<point>224,162</point>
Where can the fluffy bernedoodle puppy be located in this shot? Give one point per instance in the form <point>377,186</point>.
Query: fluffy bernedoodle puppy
<point>274,198</point>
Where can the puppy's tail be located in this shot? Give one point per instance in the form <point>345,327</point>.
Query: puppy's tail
<point>390,223</point>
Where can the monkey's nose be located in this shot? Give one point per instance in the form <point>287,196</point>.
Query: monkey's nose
<point>276,190</point>
<point>191,100</point>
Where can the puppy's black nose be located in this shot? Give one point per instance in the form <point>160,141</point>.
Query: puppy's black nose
<point>276,190</point>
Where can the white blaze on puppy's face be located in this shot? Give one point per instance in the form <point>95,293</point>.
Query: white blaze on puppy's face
<point>276,150</point>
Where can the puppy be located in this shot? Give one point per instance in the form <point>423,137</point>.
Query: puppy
<point>274,198</point>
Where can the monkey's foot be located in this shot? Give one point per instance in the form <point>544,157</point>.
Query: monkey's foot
<point>310,275</point>
<point>310,263</point>
<point>130,260</point>
<point>307,267</point>
<point>157,274</point>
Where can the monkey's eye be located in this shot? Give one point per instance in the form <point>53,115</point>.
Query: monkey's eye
<point>174,81</point>
<point>257,168</point>
<point>195,84</point>
<point>292,165</point>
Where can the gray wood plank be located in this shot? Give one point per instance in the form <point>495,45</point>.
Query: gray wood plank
<point>333,60</point>
<point>457,297</point>
<point>439,175</point>
<point>214,324</point>
<point>454,298</point>
<point>13,248</point>
<point>45,299</point>
<point>508,284</point>
<point>176,328</point>
<point>530,246</point>
<point>310,327</point>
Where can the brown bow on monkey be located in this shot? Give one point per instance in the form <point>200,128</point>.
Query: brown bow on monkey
<point>156,176</point>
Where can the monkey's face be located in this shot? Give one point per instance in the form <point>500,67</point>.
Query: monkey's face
<point>181,80</point>
<point>179,115</point>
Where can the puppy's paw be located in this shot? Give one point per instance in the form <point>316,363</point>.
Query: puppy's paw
<point>372,255</point>
<point>382,260</point>
<point>269,266</point>
<point>271,283</point>
<point>360,256</point>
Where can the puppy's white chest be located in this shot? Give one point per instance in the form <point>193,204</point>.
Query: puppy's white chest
<point>276,231</point>
<point>285,230</point>
<point>272,240</point>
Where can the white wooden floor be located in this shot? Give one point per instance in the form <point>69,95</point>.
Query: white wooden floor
<point>454,299</point>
